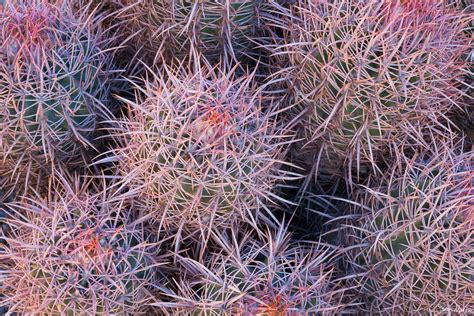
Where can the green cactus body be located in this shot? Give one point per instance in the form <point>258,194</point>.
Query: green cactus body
<point>419,239</point>
<point>202,157</point>
<point>343,75</point>
<point>364,74</point>
<point>66,90</point>
<point>219,191</point>
<point>213,26</point>
<point>57,90</point>
<point>217,29</point>
<point>396,216</point>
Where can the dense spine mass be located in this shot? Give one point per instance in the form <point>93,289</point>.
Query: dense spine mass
<point>55,82</point>
<point>200,149</point>
<point>368,76</point>
<point>76,254</point>
<point>260,275</point>
<point>415,236</point>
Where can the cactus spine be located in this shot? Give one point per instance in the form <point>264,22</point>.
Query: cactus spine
<point>55,85</point>
<point>200,150</point>
<point>369,76</point>
<point>77,254</point>
<point>415,236</point>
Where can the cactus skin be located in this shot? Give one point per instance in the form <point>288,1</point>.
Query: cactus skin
<point>219,30</point>
<point>413,242</point>
<point>266,275</point>
<point>366,75</point>
<point>76,253</point>
<point>55,83</point>
<point>199,151</point>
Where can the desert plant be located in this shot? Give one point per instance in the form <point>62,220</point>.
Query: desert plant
<point>55,83</point>
<point>76,253</point>
<point>199,150</point>
<point>252,274</point>
<point>412,246</point>
<point>219,30</point>
<point>366,76</point>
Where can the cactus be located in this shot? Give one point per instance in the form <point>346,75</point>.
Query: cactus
<point>76,253</point>
<point>55,83</point>
<point>199,150</point>
<point>367,75</point>
<point>413,241</point>
<point>219,30</point>
<point>258,275</point>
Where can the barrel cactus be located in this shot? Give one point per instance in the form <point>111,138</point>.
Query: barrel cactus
<point>258,275</point>
<point>219,30</point>
<point>76,253</point>
<point>367,76</point>
<point>199,150</point>
<point>413,245</point>
<point>55,83</point>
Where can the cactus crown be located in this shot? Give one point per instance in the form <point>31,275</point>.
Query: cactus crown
<point>201,145</point>
<point>76,254</point>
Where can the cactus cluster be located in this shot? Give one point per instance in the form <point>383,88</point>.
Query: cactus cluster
<point>236,157</point>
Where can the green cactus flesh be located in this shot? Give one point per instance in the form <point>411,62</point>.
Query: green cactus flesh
<point>63,273</point>
<point>67,107</point>
<point>363,77</point>
<point>215,193</point>
<point>406,232</point>
<point>241,22</point>
<point>213,28</point>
